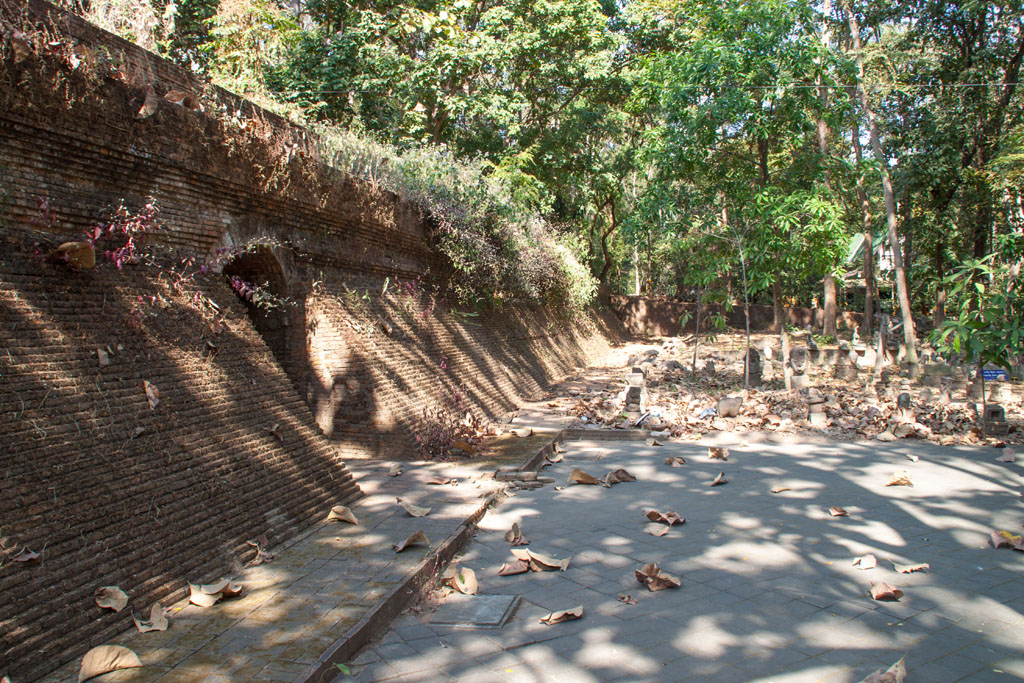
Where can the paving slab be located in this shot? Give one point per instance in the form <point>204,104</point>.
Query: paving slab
<point>769,591</point>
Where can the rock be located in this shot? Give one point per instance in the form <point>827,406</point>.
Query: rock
<point>817,419</point>
<point>885,436</point>
<point>904,431</point>
<point>729,406</point>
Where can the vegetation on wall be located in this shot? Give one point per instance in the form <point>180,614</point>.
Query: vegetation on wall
<point>563,144</point>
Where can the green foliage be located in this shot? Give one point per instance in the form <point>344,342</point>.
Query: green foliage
<point>989,323</point>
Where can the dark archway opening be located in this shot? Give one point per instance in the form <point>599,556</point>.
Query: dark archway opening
<point>258,279</point>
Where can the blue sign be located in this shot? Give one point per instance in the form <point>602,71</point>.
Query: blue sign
<point>994,373</point>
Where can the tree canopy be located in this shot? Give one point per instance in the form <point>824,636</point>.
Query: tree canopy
<point>630,136</point>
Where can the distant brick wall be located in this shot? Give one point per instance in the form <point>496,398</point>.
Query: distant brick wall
<point>149,509</point>
<point>661,315</point>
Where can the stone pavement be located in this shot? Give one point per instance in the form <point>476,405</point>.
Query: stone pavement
<point>313,592</point>
<point>768,588</point>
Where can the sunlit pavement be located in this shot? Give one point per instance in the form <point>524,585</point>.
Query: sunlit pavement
<point>769,591</point>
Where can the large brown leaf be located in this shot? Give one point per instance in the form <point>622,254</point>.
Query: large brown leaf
<point>340,513</point>
<point>616,477</point>
<point>911,568</point>
<point>416,538</point>
<point>868,561</point>
<point>106,658</point>
<point>838,512</point>
<point>716,453</point>
<point>669,517</point>
<point>719,480</point>
<point>655,579</point>
<point>413,510</point>
<point>515,567</point>
<point>1004,539</point>
<point>581,477</point>
<point>897,673</point>
<point>563,615</point>
<point>111,597</point>
<point>515,535</point>
<point>157,620</point>
<point>675,461</point>
<point>462,579</point>
<point>880,590</point>
<point>540,562</point>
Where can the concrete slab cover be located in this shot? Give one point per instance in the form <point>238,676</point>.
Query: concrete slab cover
<point>475,611</point>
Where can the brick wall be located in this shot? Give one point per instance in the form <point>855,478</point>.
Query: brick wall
<point>660,315</point>
<point>119,494</point>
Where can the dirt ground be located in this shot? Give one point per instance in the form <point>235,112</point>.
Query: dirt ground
<point>679,401</point>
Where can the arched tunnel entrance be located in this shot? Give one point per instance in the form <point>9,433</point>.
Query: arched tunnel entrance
<point>257,277</point>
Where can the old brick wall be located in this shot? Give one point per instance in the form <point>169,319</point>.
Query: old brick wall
<point>119,494</point>
<point>643,315</point>
<point>112,492</point>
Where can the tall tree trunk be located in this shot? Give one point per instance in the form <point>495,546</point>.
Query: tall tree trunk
<point>870,289</point>
<point>636,270</point>
<point>829,328</point>
<point>940,291</point>
<point>909,337</point>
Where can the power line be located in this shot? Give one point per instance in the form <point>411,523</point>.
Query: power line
<point>782,86</point>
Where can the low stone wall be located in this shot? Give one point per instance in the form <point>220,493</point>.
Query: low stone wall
<point>660,316</point>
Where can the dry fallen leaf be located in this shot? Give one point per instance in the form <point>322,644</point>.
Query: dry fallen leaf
<point>719,480</point>
<point>149,105</point>
<point>414,510</point>
<point>780,489</point>
<point>911,568</point>
<point>416,538</point>
<point>868,561</point>
<point>626,598</point>
<point>176,97</point>
<point>1004,539</point>
<point>880,590</point>
<point>152,394</point>
<point>716,453</point>
<point>523,432</point>
<point>395,470</point>
<point>198,597</point>
<point>675,461</point>
<point>581,477</point>
<point>440,481</point>
<point>655,579</point>
<point>515,535</point>
<point>564,615</point>
<point>657,529</point>
<point>340,513</point>
<point>157,620</point>
<point>897,673</point>
<point>516,567</point>
<point>539,562</point>
<point>913,458</point>
<point>901,478</point>
<point>653,442</point>
<point>670,517</point>
<point>106,658</point>
<point>616,477</point>
<point>461,579</point>
<point>838,512</point>
<point>262,554</point>
<point>111,597</point>
<point>26,555</point>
